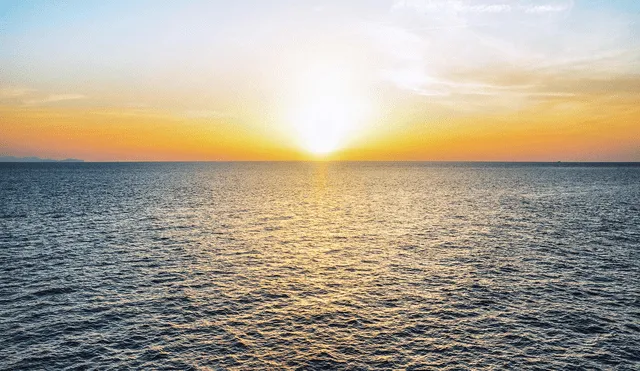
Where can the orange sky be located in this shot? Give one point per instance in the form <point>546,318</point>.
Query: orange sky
<point>385,80</point>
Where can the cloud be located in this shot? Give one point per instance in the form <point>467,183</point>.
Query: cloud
<point>33,97</point>
<point>523,51</point>
<point>206,114</point>
<point>469,6</point>
<point>7,93</point>
<point>548,8</point>
<point>424,6</point>
<point>53,98</point>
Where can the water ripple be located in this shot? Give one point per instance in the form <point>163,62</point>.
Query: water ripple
<point>300,266</point>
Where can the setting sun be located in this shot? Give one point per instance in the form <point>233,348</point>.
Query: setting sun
<point>329,109</point>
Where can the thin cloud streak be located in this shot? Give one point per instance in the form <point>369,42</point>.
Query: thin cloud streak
<point>438,6</point>
<point>33,97</point>
<point>53,98</point>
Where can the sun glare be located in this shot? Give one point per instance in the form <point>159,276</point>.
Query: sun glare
<point>328,111</point>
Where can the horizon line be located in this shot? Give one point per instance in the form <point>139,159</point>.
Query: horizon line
<point>80,161</point>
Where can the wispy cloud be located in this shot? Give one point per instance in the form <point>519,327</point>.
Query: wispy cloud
<point>206,114</point>
<point>53,98</point>
<point>548,8</point>
<point>521,49</point>
<point>32,97</point>
<point>7,93</point>
<point>468,6</point>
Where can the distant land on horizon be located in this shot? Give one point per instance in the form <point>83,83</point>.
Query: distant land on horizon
<point>35,159</point>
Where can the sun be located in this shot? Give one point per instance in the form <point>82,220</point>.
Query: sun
<point>328,111</point>
<point>324,123</point>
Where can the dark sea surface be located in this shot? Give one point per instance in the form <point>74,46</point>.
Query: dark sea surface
<point>214,266</point>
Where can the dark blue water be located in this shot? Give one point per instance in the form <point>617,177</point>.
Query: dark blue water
<point>211,266</point>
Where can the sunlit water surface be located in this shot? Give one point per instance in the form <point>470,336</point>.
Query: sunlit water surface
<point>319,266</point>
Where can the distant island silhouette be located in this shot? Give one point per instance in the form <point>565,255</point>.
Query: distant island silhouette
<point>35,159</point>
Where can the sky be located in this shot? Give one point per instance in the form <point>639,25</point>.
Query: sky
<point>483,80</point>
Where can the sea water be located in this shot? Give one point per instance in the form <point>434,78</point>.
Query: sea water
<point>319,265</point>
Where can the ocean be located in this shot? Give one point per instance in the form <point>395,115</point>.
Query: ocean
<point>319,265</point>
